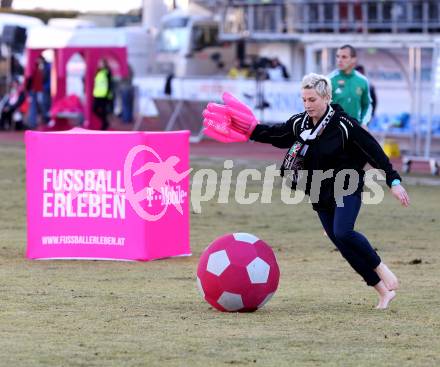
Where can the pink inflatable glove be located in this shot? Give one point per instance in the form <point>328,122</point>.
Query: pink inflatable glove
<point>217,125</point>
<point>242,117</point>
<point>222,138</point>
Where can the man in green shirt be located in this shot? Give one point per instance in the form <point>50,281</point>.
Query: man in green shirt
<point>350,88</point>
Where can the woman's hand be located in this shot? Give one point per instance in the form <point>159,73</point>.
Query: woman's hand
<point>230,122</point>
<point>218,125</point>
<point>400,194</point>
<point>242,117</point>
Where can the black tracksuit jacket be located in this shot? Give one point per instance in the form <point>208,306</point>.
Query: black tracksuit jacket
<point>343,144</point>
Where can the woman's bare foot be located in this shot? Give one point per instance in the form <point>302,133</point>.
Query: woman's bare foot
<point>385,300</point>
<point>388,277</point>
<point>385,295</point>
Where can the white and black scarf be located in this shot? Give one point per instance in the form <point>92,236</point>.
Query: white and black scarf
<point>294,160</point>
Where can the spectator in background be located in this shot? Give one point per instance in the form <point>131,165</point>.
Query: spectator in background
<point>239,71</point>
<point>38,86</point>
<point>17,69</point>
<point>10,107</point>
<point>168,89</point>
<point>103,93</point>
<point>112,90</point>
<point>351,89</point>
<point>126,92</point>
<point>361,69</point>
<point>276,70</point>
<point>46,99</point>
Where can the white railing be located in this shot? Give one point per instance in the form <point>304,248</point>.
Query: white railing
<point>290,17</point>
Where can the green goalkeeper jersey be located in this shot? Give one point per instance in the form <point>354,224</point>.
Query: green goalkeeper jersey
<point>352,93</point>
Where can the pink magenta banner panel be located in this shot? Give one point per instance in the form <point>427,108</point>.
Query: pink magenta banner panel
<point>107,195</point>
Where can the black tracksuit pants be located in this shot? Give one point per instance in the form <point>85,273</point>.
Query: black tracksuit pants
<point>353,246</point>
<point>100,108</point>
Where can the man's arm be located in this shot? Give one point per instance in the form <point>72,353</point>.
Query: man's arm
<point>366,105</point>
<point>373,99</point>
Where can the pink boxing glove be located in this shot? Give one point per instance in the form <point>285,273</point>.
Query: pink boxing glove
<point>217,125</point>
<point>242,118</point>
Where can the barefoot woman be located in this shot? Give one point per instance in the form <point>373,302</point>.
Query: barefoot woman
<point>323,138</point>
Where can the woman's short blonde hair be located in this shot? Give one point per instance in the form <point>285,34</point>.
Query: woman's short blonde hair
<point>320,83</point>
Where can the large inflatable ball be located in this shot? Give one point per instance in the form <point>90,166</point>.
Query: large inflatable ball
<point>238,272</point>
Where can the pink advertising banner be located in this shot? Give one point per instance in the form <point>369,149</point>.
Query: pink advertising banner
<point>107,195</point>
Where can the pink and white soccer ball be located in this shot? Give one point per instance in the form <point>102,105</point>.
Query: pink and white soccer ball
<point>238,272</point>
